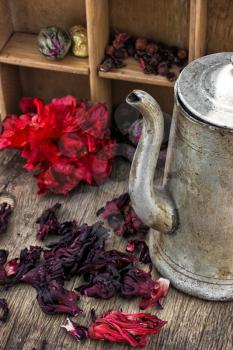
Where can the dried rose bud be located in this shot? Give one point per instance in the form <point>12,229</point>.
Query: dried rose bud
<point>151,49</point>
<point>140,44</point>
<point>48,222</point>
<point>162,69</point>
<point>12,266</point>
<point>120,327</point>
<point>110,50</point>
<point>171,76</point>
<point>75,330</point>
<point>5,309</point>
<point>182,54</point>
<point>5,212</point>
<point>140,247</point>
<point>120,40</point>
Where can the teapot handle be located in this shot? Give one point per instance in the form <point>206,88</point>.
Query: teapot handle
<point>153,206</point>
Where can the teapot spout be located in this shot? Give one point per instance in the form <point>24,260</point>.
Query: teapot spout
<point>153,206</point>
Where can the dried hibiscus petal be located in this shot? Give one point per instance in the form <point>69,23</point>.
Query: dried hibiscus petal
<point>48,222</point>
<point>54,299</point>
<point>16,268</point>
<point>139,246</point>
<point>139,283</point>
<point>120,327</point>
<point>5,212</point>
<point>98,259</point>
<point>5,309</point>
<point>102,285</point>
<point>77,331</point>
<point>122,217</point>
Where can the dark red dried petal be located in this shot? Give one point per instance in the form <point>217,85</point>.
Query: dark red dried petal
<point>141,248</point>
<point>5,309</point>
<point>54,299</point>
<point>75,330</point>
<point>122,217</point>
<point>5,212</point>
<point>120,327</point>
<point>103,285</point>
<point>18,267</point>
<point>138,283</point>
<point>48,222</point>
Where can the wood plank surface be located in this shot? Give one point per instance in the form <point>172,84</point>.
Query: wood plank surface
<point>22,50</point>
<point>192,324</point>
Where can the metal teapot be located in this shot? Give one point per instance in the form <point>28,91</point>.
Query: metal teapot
<point>191,214</point>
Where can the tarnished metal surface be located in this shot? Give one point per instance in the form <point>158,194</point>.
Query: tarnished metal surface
<point>198,256</point>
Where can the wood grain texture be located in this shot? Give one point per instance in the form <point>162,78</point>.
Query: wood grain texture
<point>22,50</point>
<point>30,16</point>
<point>166,20</point>
<point>219,27</point>
<point>47,84</point>
<point>10,89</point>
<point>6,27</point>
<point>98,33</point>
<point>192,324</point>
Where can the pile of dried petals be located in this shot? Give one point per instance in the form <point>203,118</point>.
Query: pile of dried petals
<point>65,141</point>
<point>119,327</point>
<point>153,57</point>
<point>80,251</point>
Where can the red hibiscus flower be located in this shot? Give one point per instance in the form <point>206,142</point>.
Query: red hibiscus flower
<point>65,141</point>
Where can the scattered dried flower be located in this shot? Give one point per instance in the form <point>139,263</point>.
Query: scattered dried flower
<point>75,330</point>
<point>122,217</point>
<point>139,246</point>
<point>48,222</point>
<point>138,283</point>
<point>54,299</point>
<point>120,327</point>
<point>5,310</point>
<point>5,212</point>
<point>3,259</point>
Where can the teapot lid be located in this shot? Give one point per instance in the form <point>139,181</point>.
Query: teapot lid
<point>205,88</point>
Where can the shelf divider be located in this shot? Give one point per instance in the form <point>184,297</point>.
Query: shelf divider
<point>197,29</point>
<point>97,13</point>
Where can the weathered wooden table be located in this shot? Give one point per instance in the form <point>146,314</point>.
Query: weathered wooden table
<point>192,324</point>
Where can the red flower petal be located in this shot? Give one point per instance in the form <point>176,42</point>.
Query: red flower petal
<point>27,105</point>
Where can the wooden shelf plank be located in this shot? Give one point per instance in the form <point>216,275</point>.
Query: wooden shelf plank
<point>133,72</point>
<point>21,50</point>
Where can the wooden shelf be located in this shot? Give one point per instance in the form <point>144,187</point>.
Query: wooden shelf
<point>133,72</point>
<point>21,50</point>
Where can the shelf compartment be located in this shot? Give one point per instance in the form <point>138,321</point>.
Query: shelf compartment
<point>133,72</point>
<point>21,50</point>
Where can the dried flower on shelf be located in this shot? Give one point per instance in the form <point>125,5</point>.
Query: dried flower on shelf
<point>54,42</point>
<point>153,57</point>
<point>64,142</point>
<point>118,327</point>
